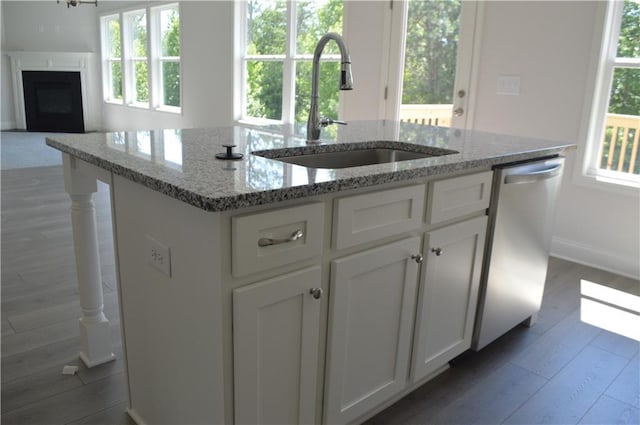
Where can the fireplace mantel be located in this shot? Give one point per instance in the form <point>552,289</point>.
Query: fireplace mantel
<point>46,61</point>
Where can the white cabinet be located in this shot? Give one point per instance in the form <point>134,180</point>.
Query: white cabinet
<point>373,295</point>
<point>275,349</point>
<point>364,218</point>
<point>458,196</point>
<point>397,311</point>
<point>266,240</point>
<point>448,294</point>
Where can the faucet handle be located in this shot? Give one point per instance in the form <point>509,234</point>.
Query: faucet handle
<point>328,121</point>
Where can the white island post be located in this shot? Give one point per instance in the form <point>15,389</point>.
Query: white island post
<point>80,182</point>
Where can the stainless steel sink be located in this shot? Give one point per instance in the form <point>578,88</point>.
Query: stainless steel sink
<point>347,157</point>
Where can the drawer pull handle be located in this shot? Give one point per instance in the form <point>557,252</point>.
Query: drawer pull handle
<point>268,241</point>
<point>418,258</point>
<point>316,293</point>
<point>437,251</point>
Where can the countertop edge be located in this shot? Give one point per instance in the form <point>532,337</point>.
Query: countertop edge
<point>244,200</point>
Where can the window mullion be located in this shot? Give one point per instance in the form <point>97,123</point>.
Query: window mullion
<point>152,54</point>
<point>627,62</point>
<point>288,86</point>
<point>127,72</point>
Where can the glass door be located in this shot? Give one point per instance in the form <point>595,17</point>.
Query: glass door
<point>430,74</point>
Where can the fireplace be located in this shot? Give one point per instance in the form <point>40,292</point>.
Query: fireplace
<point>53,101</point>
<point>50,91</point>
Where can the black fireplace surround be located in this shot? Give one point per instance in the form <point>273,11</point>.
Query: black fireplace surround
<point>53,101</point>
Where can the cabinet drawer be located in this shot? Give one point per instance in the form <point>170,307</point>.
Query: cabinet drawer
<point>265,240</point>
<point>364,218</point>
<point>458,196</point>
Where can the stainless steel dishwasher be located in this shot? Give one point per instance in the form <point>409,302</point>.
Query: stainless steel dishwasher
<point>521,214</point>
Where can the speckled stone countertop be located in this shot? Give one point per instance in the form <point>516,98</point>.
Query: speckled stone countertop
<point>182,164</point>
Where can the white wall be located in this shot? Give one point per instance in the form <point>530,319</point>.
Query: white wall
<point>549,45</point>
<point>7,120</point>
<point>364,23</point>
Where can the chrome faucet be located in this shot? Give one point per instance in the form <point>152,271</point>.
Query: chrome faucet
<point>315,122</point>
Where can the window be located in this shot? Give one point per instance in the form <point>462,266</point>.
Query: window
<point>167,56</point>
<point>141,58</point>
<point>277,40</point>
<point>613,153</point>
<point>112,58</point>
<point>135,39</point>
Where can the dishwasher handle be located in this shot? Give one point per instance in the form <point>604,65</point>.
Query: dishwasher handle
<point>534,176</point>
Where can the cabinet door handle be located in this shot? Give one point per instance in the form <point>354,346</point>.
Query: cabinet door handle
<point>418,258</point>
<point>437,251</point>
<point>269,241</point>
<point>316,293</point>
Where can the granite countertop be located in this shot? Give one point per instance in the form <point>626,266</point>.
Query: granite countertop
<point>182,163</point>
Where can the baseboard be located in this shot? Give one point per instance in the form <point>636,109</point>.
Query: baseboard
<point>591,256</point>
<point>135,417</point>
<point>8,125</point>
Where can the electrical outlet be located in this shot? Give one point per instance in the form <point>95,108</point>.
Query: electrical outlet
<point>508,85</point>
<point>158,255</point>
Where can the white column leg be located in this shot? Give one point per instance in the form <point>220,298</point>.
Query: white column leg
<point>95,331</point>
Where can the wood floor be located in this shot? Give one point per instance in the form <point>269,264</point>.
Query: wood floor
<point>561,371</point>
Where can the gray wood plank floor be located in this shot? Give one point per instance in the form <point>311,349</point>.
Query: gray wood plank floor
<point>560,371</point>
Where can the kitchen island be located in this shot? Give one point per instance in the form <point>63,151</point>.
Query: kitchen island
<point>261,291</point>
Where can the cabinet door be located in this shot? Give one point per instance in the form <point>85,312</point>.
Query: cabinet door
<point>372,306</point>
<point>275,349</point>
<point>448,294</point>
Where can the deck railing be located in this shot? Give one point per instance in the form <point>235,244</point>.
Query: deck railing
<point>618,151</point>
<point>439,115</point>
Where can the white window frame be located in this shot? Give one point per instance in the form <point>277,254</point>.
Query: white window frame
<point>154,59</point>
<point>289,60</point>
<point>130,60</point>
<point>600,79</point>
<point>158,59</point>
<point>107,59</point>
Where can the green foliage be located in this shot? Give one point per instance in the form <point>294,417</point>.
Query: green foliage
<point>267,35</point>
<point>171,33</point>
<point>142,81</point>
<point>116,79</point>
<point>170,47</point>
<point>264,89</point>
<point>430,53</point>
<point>115,52</point>
<point>267,27</point>
<point>114,38</point>
<point>171,83</point>
<point>141,69</point>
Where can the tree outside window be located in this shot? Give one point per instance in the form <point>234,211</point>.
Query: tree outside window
<point>169,57</point>
<point>277,58</point>
<point>139,63</point>
<point>431,45</point>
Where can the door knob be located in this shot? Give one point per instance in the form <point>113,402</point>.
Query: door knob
<point>316,293</point>
<point>458,112</point>
<point>437,251</point>
<point>418,258</point>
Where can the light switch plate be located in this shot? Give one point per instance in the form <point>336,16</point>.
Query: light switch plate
<point>508,85</point>
<point>158,255</point>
